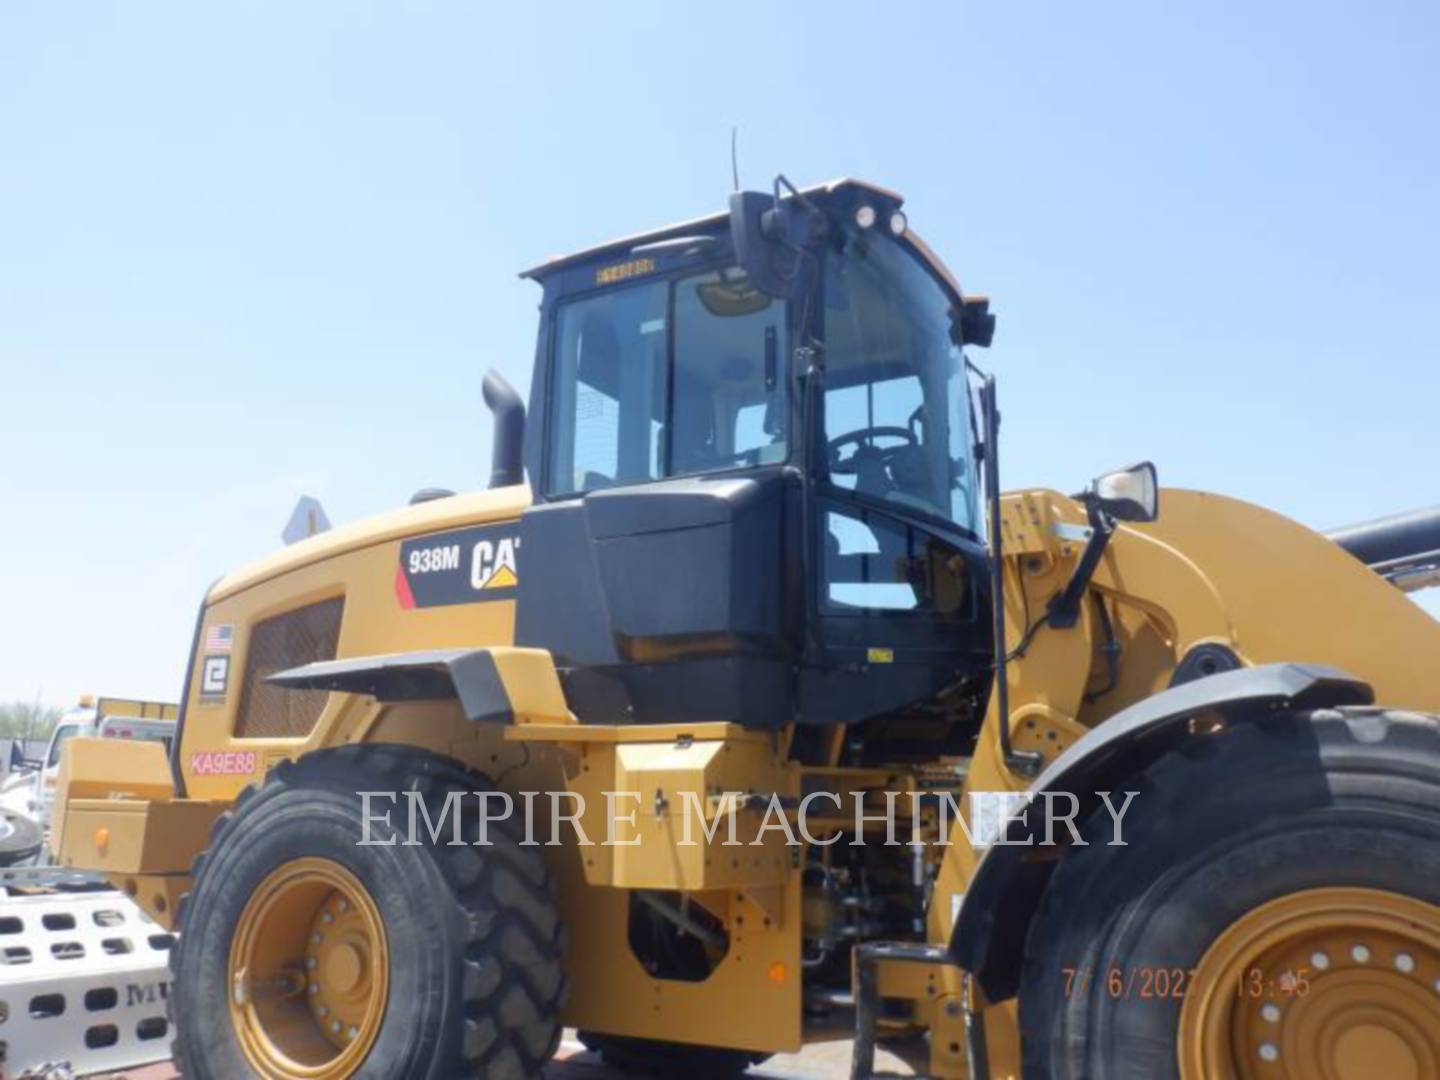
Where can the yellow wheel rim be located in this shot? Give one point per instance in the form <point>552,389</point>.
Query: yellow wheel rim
<point>1325,984</point>
<point>309,973</point>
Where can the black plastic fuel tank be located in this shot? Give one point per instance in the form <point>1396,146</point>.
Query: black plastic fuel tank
<point>674,601</point>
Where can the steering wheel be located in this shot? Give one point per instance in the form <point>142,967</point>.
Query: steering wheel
<point>864,440</point>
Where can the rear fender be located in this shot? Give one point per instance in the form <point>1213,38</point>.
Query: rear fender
<point>502,684</point>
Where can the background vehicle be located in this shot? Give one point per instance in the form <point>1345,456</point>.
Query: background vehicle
<point>753,565</point>
<point>27,798</point>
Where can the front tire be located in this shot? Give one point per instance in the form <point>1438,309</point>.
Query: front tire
<point>303,952</point>
<point>1275,912</point>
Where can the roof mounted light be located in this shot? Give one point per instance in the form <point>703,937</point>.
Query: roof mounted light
<point>898,224</point>
<point>865,215</point>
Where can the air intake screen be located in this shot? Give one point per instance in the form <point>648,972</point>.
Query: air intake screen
<point>298,637</point>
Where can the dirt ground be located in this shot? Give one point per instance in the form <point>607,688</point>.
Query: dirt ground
<point>822,1061</point>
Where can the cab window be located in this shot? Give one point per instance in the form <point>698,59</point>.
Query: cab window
<point>63,734</point>
<point>897,406</point>
<point>876,563</point>
<point>666,378</point>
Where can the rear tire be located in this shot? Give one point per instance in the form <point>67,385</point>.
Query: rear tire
<point>471,940</point>
<point>1294,810</point>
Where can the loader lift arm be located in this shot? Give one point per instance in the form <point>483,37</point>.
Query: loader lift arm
<point>1404,549</point>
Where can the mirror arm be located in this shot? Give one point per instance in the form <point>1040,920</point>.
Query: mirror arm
<point>1064,610</point>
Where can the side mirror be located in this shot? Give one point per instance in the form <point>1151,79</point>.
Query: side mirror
<point>770,235</point>
<point>974,324</point>
<point>752,223</point>
<point>1131,494</point>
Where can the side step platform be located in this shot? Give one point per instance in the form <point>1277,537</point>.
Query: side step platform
<point>869,958</point>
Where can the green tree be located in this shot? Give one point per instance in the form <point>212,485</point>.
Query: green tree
<point>27,719</point>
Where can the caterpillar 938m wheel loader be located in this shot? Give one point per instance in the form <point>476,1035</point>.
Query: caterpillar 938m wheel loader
<point>664,744</point>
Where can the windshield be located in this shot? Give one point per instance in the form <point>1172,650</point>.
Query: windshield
<point>897,403</point>
<point>63,733</point>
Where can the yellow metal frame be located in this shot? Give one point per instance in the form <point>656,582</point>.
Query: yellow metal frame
<point>1211,570</point>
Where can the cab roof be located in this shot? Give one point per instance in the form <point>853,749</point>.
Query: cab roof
<point>705,223</point>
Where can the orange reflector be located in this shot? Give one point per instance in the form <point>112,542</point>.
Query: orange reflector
<point>777,973</point>
<point>102,838</point>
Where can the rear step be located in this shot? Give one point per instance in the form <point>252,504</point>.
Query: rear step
<point>867,1006</point>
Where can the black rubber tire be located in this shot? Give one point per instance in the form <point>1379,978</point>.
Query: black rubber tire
<point>1332,798</point>
<point>650,1057</point>
<point>24,840</point>
<point>476,980</point>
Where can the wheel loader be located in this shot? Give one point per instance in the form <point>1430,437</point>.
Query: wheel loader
<point>743,710</point>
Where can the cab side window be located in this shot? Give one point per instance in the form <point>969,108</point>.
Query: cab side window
<point>634,398</point>
<point>609,389</point>
<point>729,406</point>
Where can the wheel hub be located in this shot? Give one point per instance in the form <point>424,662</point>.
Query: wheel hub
<point>1331,984</point>
<point>309,973</point>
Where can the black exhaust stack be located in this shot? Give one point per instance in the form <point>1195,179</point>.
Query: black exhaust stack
<point>507,466</point>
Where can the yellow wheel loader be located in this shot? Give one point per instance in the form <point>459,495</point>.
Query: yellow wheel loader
<point>758,716</point>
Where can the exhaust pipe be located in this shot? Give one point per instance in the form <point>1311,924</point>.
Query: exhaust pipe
<point>507,466</point>
<point>1403,548</point>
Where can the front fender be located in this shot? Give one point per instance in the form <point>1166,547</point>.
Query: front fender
<point>989,934</point>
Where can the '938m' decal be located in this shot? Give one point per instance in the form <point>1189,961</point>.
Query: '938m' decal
<point>462,567</point>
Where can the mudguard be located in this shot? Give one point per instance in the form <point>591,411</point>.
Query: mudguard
<point>496,685</point>
<point>989,934</point>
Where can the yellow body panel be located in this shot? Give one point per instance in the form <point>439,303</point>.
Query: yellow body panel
<point>357,563</point>
<point>121,818</point>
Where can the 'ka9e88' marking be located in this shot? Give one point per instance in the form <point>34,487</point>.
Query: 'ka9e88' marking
<point>466,566</point>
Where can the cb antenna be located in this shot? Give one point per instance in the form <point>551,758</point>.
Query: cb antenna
<point>734,157</point>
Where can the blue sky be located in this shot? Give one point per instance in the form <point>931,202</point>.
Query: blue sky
<point>254,251</point>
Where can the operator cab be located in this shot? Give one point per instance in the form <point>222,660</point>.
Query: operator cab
<point>753,455</point>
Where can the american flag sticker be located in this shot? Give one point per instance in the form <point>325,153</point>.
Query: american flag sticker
<point>219,638</point>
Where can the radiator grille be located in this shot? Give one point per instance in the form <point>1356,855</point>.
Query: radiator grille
<point>298,637</point>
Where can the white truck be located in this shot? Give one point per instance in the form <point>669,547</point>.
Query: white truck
<point>28,796</point>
